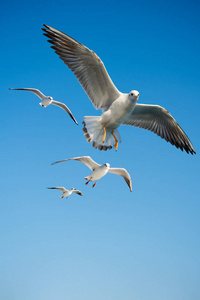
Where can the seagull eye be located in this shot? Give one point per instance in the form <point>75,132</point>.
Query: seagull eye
<point>131,94</point>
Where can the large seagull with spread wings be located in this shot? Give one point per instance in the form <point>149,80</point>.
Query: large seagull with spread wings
<point>117,108</point>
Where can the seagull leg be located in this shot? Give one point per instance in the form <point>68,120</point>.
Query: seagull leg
<point>94,184</point>
<point>116,141</point>
<point>87,182</point>
<point>104,135</point>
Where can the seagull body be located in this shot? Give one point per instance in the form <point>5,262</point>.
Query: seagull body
<point>47,100</point>
<point>98,171</point>
<point>117,108</point>
<point>66,193</point>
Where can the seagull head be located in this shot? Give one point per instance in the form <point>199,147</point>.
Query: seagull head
<point>107,165</point>
<point>134,95</point>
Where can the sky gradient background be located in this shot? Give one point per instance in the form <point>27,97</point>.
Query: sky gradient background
<point>110,244</point>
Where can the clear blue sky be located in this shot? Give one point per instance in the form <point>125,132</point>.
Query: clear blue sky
<point>110,244</point>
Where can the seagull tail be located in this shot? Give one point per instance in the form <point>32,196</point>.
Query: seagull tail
<point>93,131</point>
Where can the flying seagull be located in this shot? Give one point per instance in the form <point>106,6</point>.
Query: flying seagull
<point>99,171</point>
<point>47,100</point>
<point>117,108</point>
<point>66,193</point>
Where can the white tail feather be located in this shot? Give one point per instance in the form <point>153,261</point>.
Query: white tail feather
<point>94,132</point>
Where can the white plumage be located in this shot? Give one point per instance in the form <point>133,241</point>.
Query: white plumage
<point>118,108</point>
<point>66,193</point>
<point>47,100</point>
<point>98,171</point>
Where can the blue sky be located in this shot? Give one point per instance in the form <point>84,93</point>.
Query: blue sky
<point>109,244</point>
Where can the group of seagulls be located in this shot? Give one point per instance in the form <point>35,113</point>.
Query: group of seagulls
<point>117,108</point>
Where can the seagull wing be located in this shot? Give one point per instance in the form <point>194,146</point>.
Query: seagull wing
<point>86,66</point>
<point>86,160</point>
<point>60,188</point>
<point>78,192</point>
<point>35,91</point>
<point>63,106</point>
<point>122,172</point>
<point>157,119</point>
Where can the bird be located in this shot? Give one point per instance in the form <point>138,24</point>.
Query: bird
<point>66,193</point>
<point>117,108</point>
<point>47,100</point>
<point>98,171</point>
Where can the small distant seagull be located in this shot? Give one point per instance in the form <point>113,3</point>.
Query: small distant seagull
<point>66,193</point>
<point>99,171</point>
<point>47,100</point>
<point>117,108</point>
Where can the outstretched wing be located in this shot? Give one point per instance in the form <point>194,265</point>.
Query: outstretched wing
<point>35,91</point>
<point>122,172</point>
<point>62,189</point>
<point>86,160</point>
<point>78,192</point>
<point>86,66</point>
<point>63,106</point>
<point>157,119</point>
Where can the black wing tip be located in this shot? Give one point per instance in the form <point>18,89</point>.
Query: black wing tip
<point>130,185</point>
<point>47,26</point>
<point>81,194</point>
<point>192,151</point>
<point>17,89</point>
<point>46,30</point>
<point>74,120</point>
<point>189,150</point>
<point>57,162</point>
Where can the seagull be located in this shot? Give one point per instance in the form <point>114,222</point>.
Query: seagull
<point>66,193</point>
<point>47,100</point>
<point>98,171</point>
<point>117,108</point>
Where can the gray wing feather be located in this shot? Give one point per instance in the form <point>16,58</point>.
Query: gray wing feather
<point>86,160</point>
<point>78,192</point>
<point>63,106</point>
<point>86,66</point>
<point>158,120</point>
<point>122,172</point>
<point>62,189</point>
<point>35,91</point>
